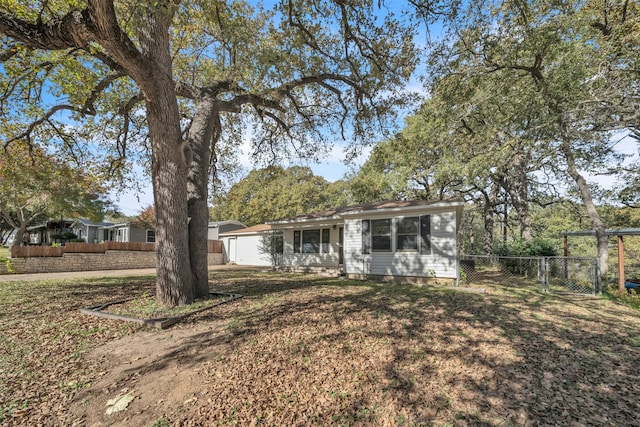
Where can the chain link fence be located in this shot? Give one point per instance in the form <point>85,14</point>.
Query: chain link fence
<point>576,275</point>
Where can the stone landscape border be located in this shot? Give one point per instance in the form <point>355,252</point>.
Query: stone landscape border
<point>159,323</point>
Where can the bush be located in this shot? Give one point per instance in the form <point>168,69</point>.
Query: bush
<point>630,298</point>
<point>521,247</point>
<point>524,248</point>
<point>66,235</point>
<point>7,264</point>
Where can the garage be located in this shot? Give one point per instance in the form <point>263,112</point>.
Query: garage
<point>246,246</point>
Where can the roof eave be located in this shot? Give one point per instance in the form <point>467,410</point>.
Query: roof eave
<point>329,219</point>
<point>395,209</point>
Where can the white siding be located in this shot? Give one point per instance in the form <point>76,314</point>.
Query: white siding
<point>246,250</point>
<point>212,233</point>
<point>329,259</point>
<point>355,262</point>
<point>441,261</point>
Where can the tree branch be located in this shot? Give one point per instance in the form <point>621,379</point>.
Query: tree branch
<point>45,118</point>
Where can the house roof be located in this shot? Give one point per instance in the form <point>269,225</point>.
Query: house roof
<point>213,224</point>
<point>260,228</point>
<point>108,225</point>
<point>382,206</point>
<point>88,222</point>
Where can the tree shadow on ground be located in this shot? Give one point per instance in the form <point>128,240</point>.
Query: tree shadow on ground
<point>308,350</point>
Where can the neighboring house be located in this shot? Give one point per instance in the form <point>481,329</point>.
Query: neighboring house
<point>244,246</point>
<point>41,234</point>
<point>390,239</point>
<point>90,231</point>
<point>8,238</point>
<point>126,232</point>
<point>218,227</point>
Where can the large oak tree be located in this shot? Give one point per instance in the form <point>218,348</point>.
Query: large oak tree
<point>171,76</point>
<point>548,84</point>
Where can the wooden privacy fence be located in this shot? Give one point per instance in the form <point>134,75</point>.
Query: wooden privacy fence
<point>35,251</point>
<point>214,247</point>
<point>108,246</point>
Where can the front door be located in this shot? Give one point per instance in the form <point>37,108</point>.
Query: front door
<point>232,250</point>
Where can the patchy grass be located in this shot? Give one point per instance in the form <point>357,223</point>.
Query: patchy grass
<point>630,298</point>
<point>4,252</point>
<point>44,337</point>
<point>307,350</point>
<point>146,307</point>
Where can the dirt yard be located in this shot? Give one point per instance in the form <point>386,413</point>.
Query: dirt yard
<point>307,350</point>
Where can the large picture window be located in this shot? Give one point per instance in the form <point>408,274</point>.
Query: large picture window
<point>381,235</point>
<point>411,234</point>
<point>311,241</point>
<point>407,234</point>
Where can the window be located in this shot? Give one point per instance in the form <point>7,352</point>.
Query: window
<point>325,240</point>
<point>411,234</point>
<point>381,235</point>
<point>151,236</point>
<point>311,241</point>
<point>407,234</point>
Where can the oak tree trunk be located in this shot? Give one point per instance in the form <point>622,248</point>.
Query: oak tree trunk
<point>19,236</point>
<point>519,192</point>
<point>596,222</point>
<point>489,219</point>
<point>169,163</point>
<point>169,173</point>
<point>200,137</point>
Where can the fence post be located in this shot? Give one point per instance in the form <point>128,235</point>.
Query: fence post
<point>598,278</point>
<point>545,274</point>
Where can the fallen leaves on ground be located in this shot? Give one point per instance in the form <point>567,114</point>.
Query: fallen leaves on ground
<point>306,350</point>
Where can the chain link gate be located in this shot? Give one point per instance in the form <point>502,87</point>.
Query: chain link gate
<point>577,275</point>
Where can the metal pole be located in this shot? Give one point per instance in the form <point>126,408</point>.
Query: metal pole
<point>621,287</point>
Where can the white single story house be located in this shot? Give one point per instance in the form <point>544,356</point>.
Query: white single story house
<point>216,228</point>
<point>246,246</point>
<point>399,240</point>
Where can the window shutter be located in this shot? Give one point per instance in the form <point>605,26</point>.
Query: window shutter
<point>366,236</point>
<point>325,240</point>
<point>425,234</point>
<point>296,241</point>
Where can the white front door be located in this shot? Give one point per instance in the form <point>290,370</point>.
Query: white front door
<point>232,249</point>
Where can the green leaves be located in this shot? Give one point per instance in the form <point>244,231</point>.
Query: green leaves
<point>274,193</point>
<point>36,186</point>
